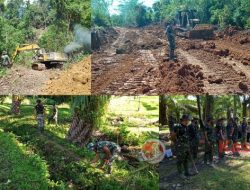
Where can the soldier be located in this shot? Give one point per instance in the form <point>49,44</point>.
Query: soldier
<point>209,142</point>
<point>221,137</point>
<point>244,134</point>
<point>193,137</point>
<point>105,151</point>
<point>6,59</point>
<point>39,113</point>
<point>232,135</point>
<point>182,148</point>
<point>54,115</point>
<point>171,40</point>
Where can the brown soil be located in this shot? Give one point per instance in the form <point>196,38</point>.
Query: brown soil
<point>135,62</point>
<point>73,81</point>
<point>25,81</point>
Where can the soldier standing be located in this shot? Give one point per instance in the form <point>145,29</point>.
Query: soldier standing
<point>244,134</point>
<point>221,137</point>
<point>171,40</point>
<point>193,137</point>
<point>209,142</point>
<point>182,148</point>
<point>232,135</point>
<point>39,112</point>
<point>5,59</point>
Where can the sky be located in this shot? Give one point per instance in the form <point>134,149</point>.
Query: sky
<point>113,9</point>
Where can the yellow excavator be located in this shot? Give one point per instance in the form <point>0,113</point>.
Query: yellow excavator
<point>42,60</point>
<point>188,26</point>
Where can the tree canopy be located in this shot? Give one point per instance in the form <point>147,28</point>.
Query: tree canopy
<point>47,22</point>
<point>133,12</point>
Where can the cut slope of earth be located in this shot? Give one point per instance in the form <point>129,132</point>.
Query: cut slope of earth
<point>74,81</point>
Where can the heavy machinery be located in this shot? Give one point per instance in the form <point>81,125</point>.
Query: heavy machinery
<point>42,60</point>
<point>187,25</point>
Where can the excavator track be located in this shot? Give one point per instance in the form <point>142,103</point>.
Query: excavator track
<point>38,66</point>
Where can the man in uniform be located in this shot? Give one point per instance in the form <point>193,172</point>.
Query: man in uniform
<point>193,137</point>
<point>5,59</point>
<point>244,134</point>
<point>209,142</point>
<point>182,147</point>
<point>54,115</point>
<point>171,40</point>
<point>232,135</point>
<point>39,113</point>
<point>106,152</point>
<point>221,137</point>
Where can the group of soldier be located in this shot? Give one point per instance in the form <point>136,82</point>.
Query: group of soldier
<point>40,115</point>
<point>187,137</point>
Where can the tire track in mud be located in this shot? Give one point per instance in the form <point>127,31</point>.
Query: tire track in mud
<point>125,73</point>
<point>220,77</point>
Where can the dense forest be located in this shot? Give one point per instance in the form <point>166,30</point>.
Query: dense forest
<point>50,23</point>
<point>172,107</point>
<point>135,13</point>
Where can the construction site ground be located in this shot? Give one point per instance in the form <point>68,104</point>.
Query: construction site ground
<point>134,61</point>
<point>73,80</point>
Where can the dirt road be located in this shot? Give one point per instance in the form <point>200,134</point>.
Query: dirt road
<point>25,81</point>
<point>135,63</point>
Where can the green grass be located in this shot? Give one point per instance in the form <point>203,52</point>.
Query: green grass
<point>234,174</point>
<point>61,164</point>
<point>19,163</point>
<point>139,119</point>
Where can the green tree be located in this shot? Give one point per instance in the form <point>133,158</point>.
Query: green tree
<point>88,112</point>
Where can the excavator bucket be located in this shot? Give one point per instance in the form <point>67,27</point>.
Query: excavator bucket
<point>202,31</point>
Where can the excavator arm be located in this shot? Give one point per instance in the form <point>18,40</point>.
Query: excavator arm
<point>25,47</point>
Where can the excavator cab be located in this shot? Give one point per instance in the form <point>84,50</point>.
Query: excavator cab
<point>188,26</point>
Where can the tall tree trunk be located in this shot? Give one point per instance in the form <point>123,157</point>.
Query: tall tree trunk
<point>235,106</point>
<point>80,131</point>
<point>209,101</point>
<point>88,111</point>
<point>199,111</point>
<point>162,110</point>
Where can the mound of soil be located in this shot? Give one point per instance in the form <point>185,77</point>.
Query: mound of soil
<point>185,78</point>
<point>74,81</point>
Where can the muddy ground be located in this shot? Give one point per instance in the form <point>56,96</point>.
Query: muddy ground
<point>73,80</point>
<point>133,61</point>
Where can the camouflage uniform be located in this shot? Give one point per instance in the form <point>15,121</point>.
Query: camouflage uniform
<point>220,135</point>
<point>5,60</point>
<point>193,139</point>
<point>171,40</point>
<point>182,148</point>
<point>40,117</point>
<point>209,145</point>
<point>113,148</point>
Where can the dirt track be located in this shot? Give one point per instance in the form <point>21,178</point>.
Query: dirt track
<point>25,81</point>
<point>135,63</point>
